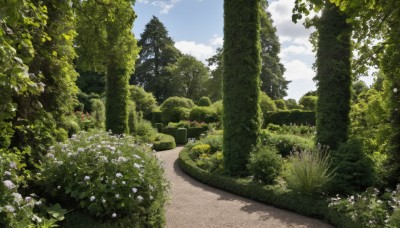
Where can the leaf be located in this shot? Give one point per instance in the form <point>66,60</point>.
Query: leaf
<point>57,212</point>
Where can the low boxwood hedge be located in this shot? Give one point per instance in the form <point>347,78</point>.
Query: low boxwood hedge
<point>313,206</point>
<point>297,117</point>
<point>164,142</point>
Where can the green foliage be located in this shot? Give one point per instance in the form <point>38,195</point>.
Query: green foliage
<point>129,184</point>
<point>85,101</point>
<point>159,127</point>
<point>291,104</point>
<point>181,136</point>
<point>280,104</point>
<point>196,132</point>
<point>267,104</point>
<point>169,130</point>
<point>300,130</point>
<point>308,102</point>
<point>309,172</point>
<point>107,47</point>
<point>171,111</point>
<point>286,144</point>
<point>265,165</point>
<point>214,83</point>
<point>188,77</point>
<point>309,205</point>
<point>198,150</point>
<point>156,117</point>
<point>333,77</point>
<point>145,131</point>
<point>296,117</point>
<point>144,101</point>
<point>354,169</point>
<point>203,114</point>
<point>204,101</point>
<point>156,53</point>
<point>164,142</point>
<point>98,113</point>
<point>91,82</point>
<point>132,118</point>
<point>241,83</point>
<point>69,123</point>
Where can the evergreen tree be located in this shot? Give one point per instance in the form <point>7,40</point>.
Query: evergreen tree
<point>241,84</point>
<point>214,83</point>
<point>272,81</point>
<point>157,52</point>
<point>106,44</point>
<point>333,77</point>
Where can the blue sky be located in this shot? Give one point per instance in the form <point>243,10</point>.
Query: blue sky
<point>196,26</point>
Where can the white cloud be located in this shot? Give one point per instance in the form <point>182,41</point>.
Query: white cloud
<point>199,51</point>
<point>295,50</point>
<point>164,5</point>
<point>217,41</point>
<point>297,70</point>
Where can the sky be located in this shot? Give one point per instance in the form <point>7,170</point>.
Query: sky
<point>196,26</point>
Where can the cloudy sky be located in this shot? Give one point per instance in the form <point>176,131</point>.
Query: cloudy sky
<point>197,29</point>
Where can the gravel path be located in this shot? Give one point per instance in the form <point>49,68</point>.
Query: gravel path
<point>196,205</point>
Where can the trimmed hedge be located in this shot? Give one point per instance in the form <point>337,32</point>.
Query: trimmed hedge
<point>195,132</point>
<point>203,114</point>
<point>204,101</point>
<point>181,136</point>
<point>297,117</point>
<point>156,117</point>
<point>159,127</point>
<point>313,206</point>
<point>170,131</point>
<point>164,142</point>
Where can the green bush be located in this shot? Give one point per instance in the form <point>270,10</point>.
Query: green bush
<point>204,101</point>
<point>109,177</point>
<point>299,130</point>
<point>159,127</point>
<point>181,136</point>
<point>198,150</point>
<point>280,104</point>
<point>267,104</point>
<point>195,132</point>
<point>276,195</point>
<point>355,170</point>
<point>145,101</point>
<point>98,113</point>
<point>145,131</point>
<point>308,102</point>
<point>297,117</point>
<point>164,142</point>
<point>203,114</point>
<point>172,108</point>
<point>61,135</point>
<point>265,165</point>
<point>69,124</point>
<point>285,144</point>
<point>170,131</point>
<point>212,162</point>
<point>156,117</point>
<point>132,118</point>
<point>309,172</point>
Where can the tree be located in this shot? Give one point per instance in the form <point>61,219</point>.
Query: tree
<point>241,85</point>
<point>145,102</point>
<point>308,102</point>
<point>157,52</point>
<point>188,77</point>
<point>107,45</point>
<point>214,83</point>
<point>291,104</point>
<point>272,81</point>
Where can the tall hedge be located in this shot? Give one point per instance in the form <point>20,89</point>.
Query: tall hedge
<point>333,77</point>
<point>241,83</point>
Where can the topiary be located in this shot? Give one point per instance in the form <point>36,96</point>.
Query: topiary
<point>204,101</point>
<point>170,108</point>
<point>265,165</point>
<point>266,104</point>
<point>164,142</point>
<point>145,131</point>
<point>308,102</point>
<point>280,104</point>
<point>181,136</point>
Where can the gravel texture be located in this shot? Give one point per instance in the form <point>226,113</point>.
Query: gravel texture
<point>195,205</point>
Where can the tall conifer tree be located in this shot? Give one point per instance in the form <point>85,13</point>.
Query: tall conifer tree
<point>333,77</point>
<point>241,84</point>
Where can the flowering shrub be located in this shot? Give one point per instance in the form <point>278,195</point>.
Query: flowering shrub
<point>369,209</point>
<point>16,210</point>
<point>110,177</point>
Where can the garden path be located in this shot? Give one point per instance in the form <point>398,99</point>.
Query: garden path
<point>196,205</point>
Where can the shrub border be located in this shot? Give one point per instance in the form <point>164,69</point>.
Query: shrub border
<point>315,207</point>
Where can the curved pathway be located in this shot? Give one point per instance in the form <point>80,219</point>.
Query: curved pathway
<point>195,205</point>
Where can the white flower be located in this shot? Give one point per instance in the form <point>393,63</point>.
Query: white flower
<point>9,208</point>
<point>114,215</point>
<point>92,198</point>
<point>117,195</point>
<point>81,149</point>
<point>38,203</point>
<point>113,182</point>
<point>139,198</point>
<point>134,190</point>
<point>9,184</point>
<point>50,155</point>
<point>103,200</point>
<point>151,197</point>
<point>137,166</point>
<point>118,175</point>
<point>28,199</point>
<point>123,182</point>
<point>7,173</point>
<point>122,159</point>
<point>395,90</point>
<point>103,159</point>
<point>136,156</point>
<point>13,165</point>
<point>86,178</point>
<point>17,197</point>
<point>69,154</point>
<point>58,187</point>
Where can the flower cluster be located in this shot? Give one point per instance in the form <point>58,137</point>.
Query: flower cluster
<point>110,176</point>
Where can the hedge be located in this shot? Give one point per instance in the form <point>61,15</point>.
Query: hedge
<point>156,117</point>
<point>195,132</point>
<point>181,136</point>
<point>164,142</point>
<point>159,127</point>
<point>297,117</point>
<point>170,131</point>
<point>313,206</point>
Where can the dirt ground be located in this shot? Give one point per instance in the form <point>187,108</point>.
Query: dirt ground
<point>195,205</point>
